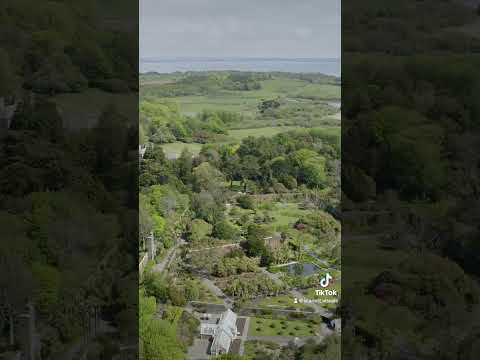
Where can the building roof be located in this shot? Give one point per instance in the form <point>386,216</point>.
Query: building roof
<point>221,341</point>
<point>208,329</point>
<point>228,321</point>
<point>223,333</point>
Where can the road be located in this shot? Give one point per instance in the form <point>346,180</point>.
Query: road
<point>168,259</point>
<point>244,336</point>
<point>215,247</point>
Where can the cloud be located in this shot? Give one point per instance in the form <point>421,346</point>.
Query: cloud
<point>265,28</point>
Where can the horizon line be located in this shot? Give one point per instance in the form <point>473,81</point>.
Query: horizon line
<point>157,58</point>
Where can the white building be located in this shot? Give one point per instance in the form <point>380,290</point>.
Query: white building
<point>223,332</point>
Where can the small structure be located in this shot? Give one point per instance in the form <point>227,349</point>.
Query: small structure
<point>141,150</point>
<point>222,331</point>
<point>151,246</point>
<point>274,241</point>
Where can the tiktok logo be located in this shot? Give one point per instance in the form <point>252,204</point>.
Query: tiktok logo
<point>325,282</point>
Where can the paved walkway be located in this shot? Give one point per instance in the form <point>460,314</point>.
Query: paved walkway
<point>218,292</point>
<point>215,247</point>
<point>168,259</point>
<point>244,336</point>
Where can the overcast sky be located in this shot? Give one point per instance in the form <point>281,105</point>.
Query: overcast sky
<point>240,28</point>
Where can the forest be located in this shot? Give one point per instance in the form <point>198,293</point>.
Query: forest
<point>410,195</point>
<point>68,259</point>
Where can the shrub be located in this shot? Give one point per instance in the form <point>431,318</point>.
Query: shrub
<point>246,202</point>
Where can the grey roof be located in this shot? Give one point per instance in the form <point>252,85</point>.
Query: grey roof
<point>225,332</point>
<point>221,341</point>
<point>208,329</point>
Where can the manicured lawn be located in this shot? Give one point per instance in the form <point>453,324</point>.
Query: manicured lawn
<point>320,91</point>
<point>283,214</point>
<point>282,301</point>
<point>271,327</point>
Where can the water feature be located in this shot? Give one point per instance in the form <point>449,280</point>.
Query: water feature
<point>301,269</point>
<point>169,65</point>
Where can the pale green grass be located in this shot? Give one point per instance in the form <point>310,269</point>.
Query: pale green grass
<point>257,132</point>
<point>174,150</point>
<point>320,92</point>
<point>246,102</point>
<point>286,214</point>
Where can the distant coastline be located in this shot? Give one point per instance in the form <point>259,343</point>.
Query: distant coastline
<point>327,66</point>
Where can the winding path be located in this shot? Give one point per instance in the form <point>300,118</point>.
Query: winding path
<point>168,259</point>
<point>318,309</point>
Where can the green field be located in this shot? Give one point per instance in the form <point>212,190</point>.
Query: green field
<point>272,327</point>
<point>303,104</point>
<point>281,301</point>
<point>174,150</point>
<point>286,214</point>
<point>246,102</point>
<point>319,92</point>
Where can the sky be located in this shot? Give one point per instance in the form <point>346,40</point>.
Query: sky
<point>240,28</point>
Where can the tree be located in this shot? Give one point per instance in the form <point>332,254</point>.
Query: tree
<point>311,167</point>
<point>184,164</point>
<point>8,80</point>
<point>225,230</point>
<point>199,229</point>
<point>192,290</point>
<point>268,104</point>
<point>246,202</point>
<point>207,208</point>
<point>209,178</point>
<point>158,338</point>
<point>145,220</point>
<point>47,294</point>
<point>249,169</point>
